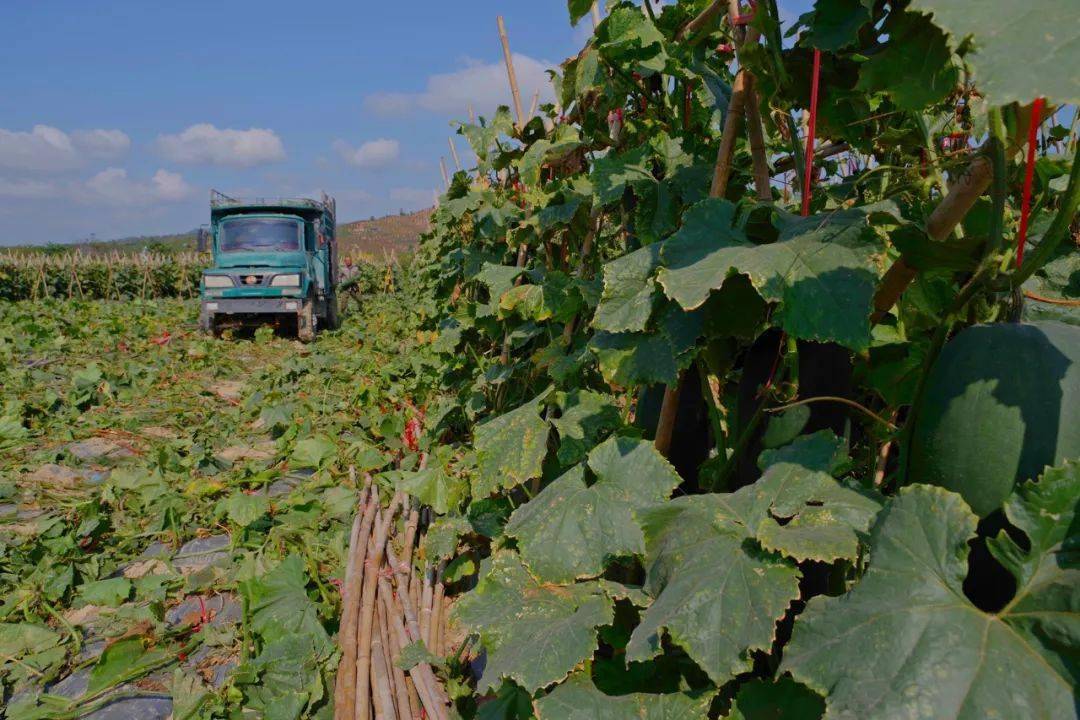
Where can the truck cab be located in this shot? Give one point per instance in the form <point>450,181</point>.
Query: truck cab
<point>275,260</point>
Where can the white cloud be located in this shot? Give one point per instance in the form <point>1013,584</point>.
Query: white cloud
<point>373,154</point>
<point>27,189</point>
<point>482,85</point>
<point>205,144</point>
<point>102,144</point>
<point>114,187</point>
<point>412,198</point>
<point>49,149</point>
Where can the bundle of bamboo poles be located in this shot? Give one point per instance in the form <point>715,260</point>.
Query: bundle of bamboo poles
<point>388,605</point>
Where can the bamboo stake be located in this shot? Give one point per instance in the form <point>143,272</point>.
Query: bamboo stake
<point>405,707</point>
<point>665,424</point>
<point>534,104</point>
<point>508,58</point>
<point>437,612</point>
<point>445,174</point>
<point>367,608</point>
<point>701,20</point>
<point>381,696</point>
<point>399,700</point>
<point>411,526</point>
<point>742,87</point>
<point>344,688</point>
<point>412,625</point>
<point>453,153</point>
<point>423,677</point>
<point>425,606</point>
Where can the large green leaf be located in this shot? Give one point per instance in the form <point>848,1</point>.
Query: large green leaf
<point>555,298</point>
<point>689,273</point>
<point>578,699</point>
<point>835,24</point>
<point>629,291</point>
<point>441,539</point>
<point>124,660</point>
<point>719,591</point>
<point>243,509</point>
<point>434,487</point>
<point>510,449</point>
<point>907,641</point>
<point>535,634</point>
<point>312,452</point>
<point>716,595</point>
<point>806,514</point>
<point>585,417</point>
<point>822,451</point>
<point>285,677</point>
<point>29,651</point>
<point>1023,50</point>
<point>632,359</point>
<point>578,9</point>
<point>628,38</point>
<point>573,529</point>
<point>822,270</point>
<point>279,604</point>
<point>915,68</point>
<point>611,175</point>
<point>1058,279</point>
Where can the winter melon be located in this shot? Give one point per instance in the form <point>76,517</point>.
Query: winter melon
<point>1002,402</point>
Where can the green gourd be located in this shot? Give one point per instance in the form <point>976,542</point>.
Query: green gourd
<point>1002,403</point>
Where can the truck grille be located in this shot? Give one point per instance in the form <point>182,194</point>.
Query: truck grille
<point>251,280</point>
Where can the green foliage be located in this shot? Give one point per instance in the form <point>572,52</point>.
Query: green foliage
<point>534,634</point>
<point>584,269</point>
<point>790,567</point>
<point>999,35</point>
<point>855,650</point>
<point>572,530</point>
<point>30,276</point>
<point>180,449</point>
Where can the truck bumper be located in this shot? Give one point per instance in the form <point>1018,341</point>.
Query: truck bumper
<point>251,306</point>
<point>250,310</point>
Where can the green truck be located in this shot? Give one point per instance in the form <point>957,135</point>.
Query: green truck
<point>275,260</point>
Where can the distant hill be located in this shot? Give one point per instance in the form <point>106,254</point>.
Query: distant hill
<point>383,236</point>
<point>377,236</point>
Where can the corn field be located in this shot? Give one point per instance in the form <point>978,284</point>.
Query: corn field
<point>32,276</point>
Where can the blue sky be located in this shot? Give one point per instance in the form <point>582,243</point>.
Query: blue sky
<point>119,115</point>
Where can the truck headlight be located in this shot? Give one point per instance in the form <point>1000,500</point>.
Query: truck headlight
<point>217,281</point>
<point>285,281</point>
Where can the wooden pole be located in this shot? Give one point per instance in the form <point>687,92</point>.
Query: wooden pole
<point>510,72</point>
<point>445,174</point>
<point>453,153</point>
<point>703,18</point>
<point>743,85</point>
<point>596,19</point>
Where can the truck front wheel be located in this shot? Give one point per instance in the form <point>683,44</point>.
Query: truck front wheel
<point>206,323</point>
<point>305,323</point>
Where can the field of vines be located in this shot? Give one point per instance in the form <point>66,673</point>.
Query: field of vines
<point>103,276</point>
<point>742,381</point>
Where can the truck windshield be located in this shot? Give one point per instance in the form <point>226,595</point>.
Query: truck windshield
<point>261,235</point>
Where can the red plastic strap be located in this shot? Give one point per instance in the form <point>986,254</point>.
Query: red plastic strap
<point>811,130</point>
<point>1029,174</point>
